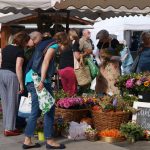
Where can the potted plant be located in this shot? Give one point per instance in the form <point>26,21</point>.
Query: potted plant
<point>91,134</point>
<point>132,131</point>
<point>61,127</point>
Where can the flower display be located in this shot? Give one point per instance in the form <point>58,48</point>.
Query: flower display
<point>134,83</point>
<point>110,133</point>
<point>132,131</point>
<point>115,103</point>
<point>75,103</point>
<point>70,102</point>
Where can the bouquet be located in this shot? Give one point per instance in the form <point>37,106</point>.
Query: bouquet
<point>107,53</point>
<point>111,54</point>
<point>134,83</point>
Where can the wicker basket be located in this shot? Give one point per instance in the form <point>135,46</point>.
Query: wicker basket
<point>71,114</point>
<point>109,120</point>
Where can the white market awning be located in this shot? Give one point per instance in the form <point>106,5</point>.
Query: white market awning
<point>25,6</point>
<point>94,9</point>
<point>104,4</point>
<point>91,9</point>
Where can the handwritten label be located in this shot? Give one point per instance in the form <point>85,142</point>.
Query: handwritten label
<point>143,117</point>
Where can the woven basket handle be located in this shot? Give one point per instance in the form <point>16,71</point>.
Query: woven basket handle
<point>81,63</point>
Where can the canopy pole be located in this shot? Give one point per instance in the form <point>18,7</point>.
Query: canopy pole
<point>5,33</point>
<point>67,21</point>
<point>39,21</point>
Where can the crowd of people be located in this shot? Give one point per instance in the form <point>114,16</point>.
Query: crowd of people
<point>35,53</point>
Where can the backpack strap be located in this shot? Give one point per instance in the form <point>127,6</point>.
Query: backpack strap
<point>47,47</point>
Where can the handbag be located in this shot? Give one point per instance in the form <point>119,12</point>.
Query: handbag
<point>46,100</point>
<point>25,106</point>
<point>83,74</point>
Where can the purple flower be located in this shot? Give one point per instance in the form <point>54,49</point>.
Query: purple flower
<point>143,79</point>
<point>115,102</point>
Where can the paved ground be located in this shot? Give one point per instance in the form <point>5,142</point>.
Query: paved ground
<point>15,143</point>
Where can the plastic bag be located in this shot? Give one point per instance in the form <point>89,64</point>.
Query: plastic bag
<point>93,68</point>
<point>25,106</point>
<point>77,130</point>
<point>93,84</point>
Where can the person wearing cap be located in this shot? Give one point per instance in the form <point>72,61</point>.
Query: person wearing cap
<point>110,68</point>
<point>105,40</point>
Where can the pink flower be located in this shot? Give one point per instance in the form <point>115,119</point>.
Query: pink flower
<point>138,82</point>
<point>130,83</point>
<point>66,105</point>
<point>70,102</point>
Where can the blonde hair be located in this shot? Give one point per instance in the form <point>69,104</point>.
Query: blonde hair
<point>74,34</point>
<point>62,38</point>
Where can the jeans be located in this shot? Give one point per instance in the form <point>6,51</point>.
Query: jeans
<point>35,113</point>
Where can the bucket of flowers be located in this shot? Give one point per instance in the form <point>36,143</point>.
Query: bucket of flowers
<point>110,135</point>
<point>134,83</point>
<point>111,111</point>
<point>73,108</point>
<point>91,134</point>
